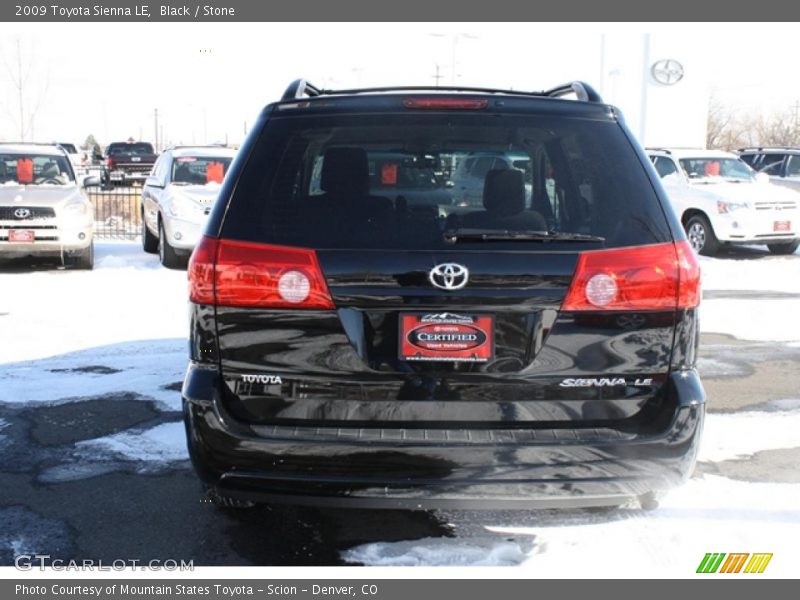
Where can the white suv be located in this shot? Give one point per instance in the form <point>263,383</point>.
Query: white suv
<point>44,210</point>
<point>720,200</point>
<point>177,198</point>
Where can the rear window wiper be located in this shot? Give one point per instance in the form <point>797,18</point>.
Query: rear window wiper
<point>505,235</point>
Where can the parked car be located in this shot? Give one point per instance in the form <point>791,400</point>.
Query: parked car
<point>720,200</point>
<point>79,159</point>
<point>408,177</point>
<point>533,351</point>
<point>470,174</point>
<point>44,210</point>
<point>782,165</point>
<point>177,198</point>
<point>128,163</point>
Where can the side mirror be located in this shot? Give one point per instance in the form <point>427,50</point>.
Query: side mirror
<point>153,181</point>
<point>91,181</point>
<point>762,178</point>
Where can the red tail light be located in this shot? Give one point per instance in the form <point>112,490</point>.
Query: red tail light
<point>232,273</point>
<point>446,103</point>
<point>658,277</point>
<point>109,162</point>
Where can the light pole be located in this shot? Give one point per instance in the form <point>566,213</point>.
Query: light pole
<point>455,37</point>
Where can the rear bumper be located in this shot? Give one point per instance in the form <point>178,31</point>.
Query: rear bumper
<point>394,468</point>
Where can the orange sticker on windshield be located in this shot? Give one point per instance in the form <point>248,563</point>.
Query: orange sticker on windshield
<point>25,170</point>
<point>389,174</point>
<point>215,172</point>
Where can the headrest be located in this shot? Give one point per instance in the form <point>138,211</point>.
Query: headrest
<point>345,170</point>
<point>50,169</point>
<point>504,192</point>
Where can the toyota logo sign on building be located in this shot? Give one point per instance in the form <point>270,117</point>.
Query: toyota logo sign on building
<point>667,71</point>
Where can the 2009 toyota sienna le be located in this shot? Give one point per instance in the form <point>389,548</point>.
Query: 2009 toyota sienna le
<point>350,347</point>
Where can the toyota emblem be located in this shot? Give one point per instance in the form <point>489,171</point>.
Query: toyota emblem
<point>22,213</point>
<point>667,71</point>
<point>449,276</point>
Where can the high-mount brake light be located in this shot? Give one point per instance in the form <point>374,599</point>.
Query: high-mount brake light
<point>658,277</point>
<point>246,274</point>
<point>434,103</point>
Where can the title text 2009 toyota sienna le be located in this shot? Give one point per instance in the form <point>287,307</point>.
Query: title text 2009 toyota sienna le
<point>351,347</point>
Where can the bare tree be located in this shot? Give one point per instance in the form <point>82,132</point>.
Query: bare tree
<point>725,129</point>
<point>728,129</point>
<point>779,129</point>
<point>29,90</point>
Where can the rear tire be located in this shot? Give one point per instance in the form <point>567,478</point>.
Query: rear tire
<point>701,235</point>
<point>166,253</point>
<point>84,260</point>
<point>782,249</point>
<point>149,241</point>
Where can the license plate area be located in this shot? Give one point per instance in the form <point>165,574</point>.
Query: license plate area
<point>444,336</point>
<point>21,235</point>
<point>781,226</point>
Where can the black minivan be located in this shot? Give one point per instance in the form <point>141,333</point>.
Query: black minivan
<point>356,343</point>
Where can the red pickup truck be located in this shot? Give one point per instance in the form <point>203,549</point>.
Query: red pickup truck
<point>128,162</point>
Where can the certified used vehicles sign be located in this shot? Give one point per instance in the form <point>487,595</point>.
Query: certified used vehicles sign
<point>446,336</point>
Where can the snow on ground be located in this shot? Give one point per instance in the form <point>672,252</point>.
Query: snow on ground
<point>777,274</point>
<point>762,319</point>
<point>142,368</point>
<point>738,435</point>
<point>123,327</point>
<point>127,297</point>
<point>757,319</point>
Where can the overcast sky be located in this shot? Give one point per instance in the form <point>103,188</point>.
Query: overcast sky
<point>209,81</point>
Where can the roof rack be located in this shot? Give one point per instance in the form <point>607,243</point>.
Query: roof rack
<point>657,149</point>
<point>32,143</point>
<point>583,91</point>
<point>762,148</point>
<point>183,146</point>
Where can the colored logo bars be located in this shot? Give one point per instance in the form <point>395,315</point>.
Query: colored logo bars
<point>718,563</point>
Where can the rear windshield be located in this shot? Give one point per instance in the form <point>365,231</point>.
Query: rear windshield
<point>399,181</point>
<point>140,148</point>
<point>199,170</point>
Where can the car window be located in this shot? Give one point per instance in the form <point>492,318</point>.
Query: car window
<point>199,170</point>
<point>664,166</point>
<point>309,181</point>
<point>793,167</point>
<point>709,169</point>
<point>773,169</point>
<point>33,169</point>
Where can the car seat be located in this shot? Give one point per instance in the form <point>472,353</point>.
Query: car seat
<point>504,204</point>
